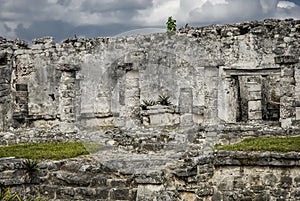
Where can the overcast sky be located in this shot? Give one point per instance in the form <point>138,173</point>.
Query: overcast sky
<point>28,19</point>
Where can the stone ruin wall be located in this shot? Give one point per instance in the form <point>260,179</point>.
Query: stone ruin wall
<point>225,82</point>
<point>214,75</point>
<point>217,176</point>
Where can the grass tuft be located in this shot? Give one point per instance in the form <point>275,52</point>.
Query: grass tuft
<point>44,151</point>
<point>287,144</point>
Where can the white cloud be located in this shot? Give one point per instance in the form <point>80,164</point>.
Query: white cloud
<point>286,4</point>
<point>135,13</point>
<point>233,11</point>
<point>286,9</point>
<point>158,14</point>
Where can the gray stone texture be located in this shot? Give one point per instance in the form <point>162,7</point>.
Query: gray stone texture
<point>225,83</point>
<point>214,62</point>
<point>219,175</point>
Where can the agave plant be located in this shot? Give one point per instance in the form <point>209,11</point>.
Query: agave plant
<point>164,100</point>
<point>30,166</point>
<point>147,103</point>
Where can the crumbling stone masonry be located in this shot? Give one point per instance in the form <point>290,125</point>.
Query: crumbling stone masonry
<point>217,74</point>
<point>224,83</point>
<point>213,176</point>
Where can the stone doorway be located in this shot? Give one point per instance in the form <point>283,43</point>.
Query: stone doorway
<point>251,94</point>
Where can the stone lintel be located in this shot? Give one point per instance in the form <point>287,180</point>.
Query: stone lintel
<point>286,59</point>
<point>252,71</point>
<point>68,67</point>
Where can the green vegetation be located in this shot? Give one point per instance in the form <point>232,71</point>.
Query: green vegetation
<point>7,195</point>
<point>147,103</point>
<point>171,24</point>
<point>265,144</point>
<point>164,100</point>
<point>30,166</point>
<point>43,151</point>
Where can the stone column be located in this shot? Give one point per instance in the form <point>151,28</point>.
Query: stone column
<point>228,99</point>
<point>287,64</point>
<point>211,76</point>
<point>67,97</point>
<point>186,107</point>
<point>254,101</point>
<point>132,99</point>
<point>6,103</point>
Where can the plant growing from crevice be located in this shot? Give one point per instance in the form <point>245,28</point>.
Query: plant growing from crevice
<point>7,195</point>
<point>147,103</point>
<point>30,167</point>
<point>171,24</point>
<point>164,100</point>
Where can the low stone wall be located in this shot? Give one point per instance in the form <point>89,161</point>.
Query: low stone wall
<point>218,175</point>
<point>258,176</point>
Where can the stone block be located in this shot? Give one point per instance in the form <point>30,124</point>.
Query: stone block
<point>159,109</point>
<point>98,180</point>
<point>66,192</point>
<point>118,182</point>
<point>84,192</point>
<point>98,122</point>
<point>255,115</point>
<point>186,100</point>
<point>102,193</point>
<point>186,172</point>
<point>287,71</point>
<point>254,95</point>
<point>254,105</point>
<point>254,86</point>
<point>119,194</point>
<point>297,113</point>
<point>164,119</point>
<point>149,178</point>
<point>286,123</point>
<point>146,192</point>
<point>287,111</point>
<point>286,59</point>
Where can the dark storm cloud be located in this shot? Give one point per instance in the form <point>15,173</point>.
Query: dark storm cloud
<point>28,19</point>
<point>66,30</point>
<point>114,5</point>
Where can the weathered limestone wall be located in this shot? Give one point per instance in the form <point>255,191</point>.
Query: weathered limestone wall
<point>225,83</point>
<point>220,175</point>
<point>216,64</point>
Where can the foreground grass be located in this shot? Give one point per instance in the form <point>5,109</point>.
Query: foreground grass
<point>43,151</point>
<point>265,144</point>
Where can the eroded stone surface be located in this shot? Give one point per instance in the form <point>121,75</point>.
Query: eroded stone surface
<point>224,83</point>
